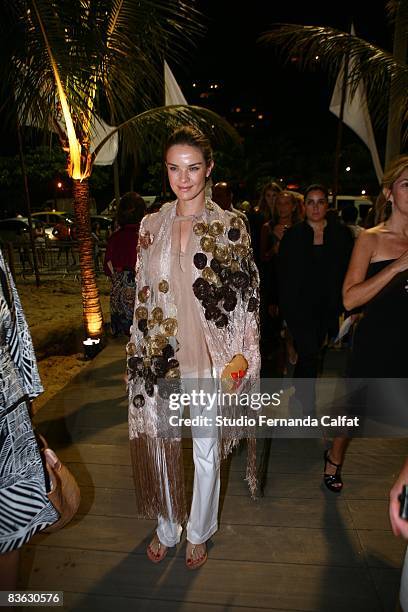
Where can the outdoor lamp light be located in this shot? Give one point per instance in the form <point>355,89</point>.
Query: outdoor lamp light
<point>91,347</point>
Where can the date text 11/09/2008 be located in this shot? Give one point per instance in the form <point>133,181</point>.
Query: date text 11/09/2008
<point>263,421</point>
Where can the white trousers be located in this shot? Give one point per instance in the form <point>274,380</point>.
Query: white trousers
<point>203,518</point>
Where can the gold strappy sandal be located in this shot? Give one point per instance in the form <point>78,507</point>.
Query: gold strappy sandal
<point>162,550</point>
<point>194,564</point>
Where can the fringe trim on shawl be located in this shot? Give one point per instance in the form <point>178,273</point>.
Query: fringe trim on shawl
<point>157,463</point>
<point>251,475</point>
<point>228,445</point>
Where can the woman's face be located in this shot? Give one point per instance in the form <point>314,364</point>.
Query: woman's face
<point>315,206</point>
<point>187,171</point>
<point>399,192</point>
<point>270,196</point>
<point>284,206</point>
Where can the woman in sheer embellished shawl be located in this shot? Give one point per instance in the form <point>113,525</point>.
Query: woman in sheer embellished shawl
<point>195,325</point>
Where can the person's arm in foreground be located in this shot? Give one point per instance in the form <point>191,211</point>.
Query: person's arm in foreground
<point>398,524</point>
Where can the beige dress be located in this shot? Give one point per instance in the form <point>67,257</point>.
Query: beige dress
<point>193,355</point>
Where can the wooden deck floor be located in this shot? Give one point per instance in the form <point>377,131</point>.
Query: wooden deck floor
<point>297,548</point>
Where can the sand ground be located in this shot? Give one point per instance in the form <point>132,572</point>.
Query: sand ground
<point>54,314</point>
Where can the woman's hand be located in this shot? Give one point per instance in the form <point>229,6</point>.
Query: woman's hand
<point>234,372</point>
<point>279,231</point>
<point>399,525</point>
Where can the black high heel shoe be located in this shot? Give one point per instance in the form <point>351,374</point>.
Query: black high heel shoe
<point>332,481</point>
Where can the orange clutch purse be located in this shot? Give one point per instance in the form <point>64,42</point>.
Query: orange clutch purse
<point>233,372</point>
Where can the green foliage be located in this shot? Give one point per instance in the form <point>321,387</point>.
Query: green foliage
<point>229,165</point>
<point>100,179</point>
<point>153,179</point>
<point>109,54</point>
<point>109,58</point>
<point>45,167</point>
<point>42,164</point>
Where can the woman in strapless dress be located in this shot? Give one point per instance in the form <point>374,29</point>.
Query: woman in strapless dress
<point>377,281</point>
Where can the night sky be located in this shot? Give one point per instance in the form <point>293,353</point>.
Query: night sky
<point>251,73</point>
<point>297,134</point>
<point>294,104</point>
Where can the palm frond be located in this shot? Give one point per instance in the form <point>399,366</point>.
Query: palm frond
<point>139,37</point>
<point>109,54</point>
<point>369,63</point>
<point>398,9</point>
<point>31,34</point>
<point>148,130</point>
<point>329,44</point>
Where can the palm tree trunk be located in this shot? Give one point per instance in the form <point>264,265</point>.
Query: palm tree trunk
<point>92,311</point>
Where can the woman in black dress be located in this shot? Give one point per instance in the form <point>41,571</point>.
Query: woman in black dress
<point>313,259</point>
<point>377,280</point>
<point>285,214</point>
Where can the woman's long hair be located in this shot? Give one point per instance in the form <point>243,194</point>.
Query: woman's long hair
<point>394,171</point>
<point>131,209</point>
<point>263,207</point>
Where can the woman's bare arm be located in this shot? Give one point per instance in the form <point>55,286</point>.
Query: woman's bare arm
<point>356,290</point>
